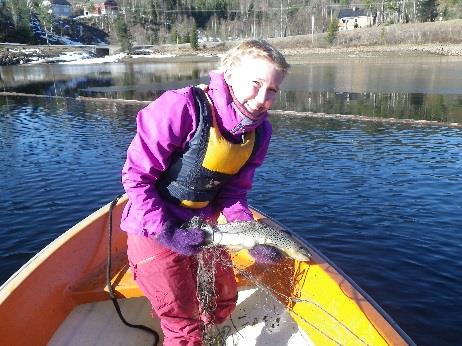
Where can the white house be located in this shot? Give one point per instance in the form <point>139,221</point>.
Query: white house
<point>352,18</point>
<point>59,8</point>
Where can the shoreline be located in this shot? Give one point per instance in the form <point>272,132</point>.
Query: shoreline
<point>28,55</point>
<point>441,49</point>
<point>296,54</point>
<point>186,54</point>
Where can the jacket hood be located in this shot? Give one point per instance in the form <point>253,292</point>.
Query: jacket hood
<point>229,116</point>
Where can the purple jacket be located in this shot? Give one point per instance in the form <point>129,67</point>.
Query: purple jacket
<point>164,127</point>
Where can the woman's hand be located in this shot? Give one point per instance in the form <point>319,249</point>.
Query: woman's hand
<point>186,241</point>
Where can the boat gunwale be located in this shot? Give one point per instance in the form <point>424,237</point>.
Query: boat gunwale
<point>22,273</point>
<point>350,281</point>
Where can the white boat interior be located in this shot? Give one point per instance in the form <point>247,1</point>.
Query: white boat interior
<point>259,319</point>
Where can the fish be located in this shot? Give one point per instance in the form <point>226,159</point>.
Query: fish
<point>247,234</point>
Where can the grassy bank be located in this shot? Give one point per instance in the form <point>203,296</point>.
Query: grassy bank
<point>448,32</point>
<point>441,38</point>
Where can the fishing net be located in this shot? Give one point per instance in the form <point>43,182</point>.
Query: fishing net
<point>207,261</point>
<point>206,265</point>
<point>261,307</point>
<point>266,313</point>
<point>279,304</point>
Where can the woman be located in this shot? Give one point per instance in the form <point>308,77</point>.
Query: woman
<point>194,154</point>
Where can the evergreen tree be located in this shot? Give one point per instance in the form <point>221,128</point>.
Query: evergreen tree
<point>21,20</point>
<point>152,12</point>
<point>428,10</point>
<point>154,36</point>
<point>193,39</point>
<point>332,31</point>
<point>186,37</point>
<point>123,34</point>
<point>174,37</point>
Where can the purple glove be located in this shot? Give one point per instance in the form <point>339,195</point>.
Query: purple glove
<point>186,241</point>
<point>265,254</point>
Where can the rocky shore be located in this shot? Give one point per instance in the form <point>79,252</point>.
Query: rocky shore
<point>434,49</point>
<point>12,54</point>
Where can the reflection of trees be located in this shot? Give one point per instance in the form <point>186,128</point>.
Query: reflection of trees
<point>312,87</point>
<point>416,106</point>
<point>416,100</point>
<point>132,81</point>
<point>195,74</point>
<point>128,79</point>
<point>438,108</point>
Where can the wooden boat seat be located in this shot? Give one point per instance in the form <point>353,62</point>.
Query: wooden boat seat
<point>92,287</point>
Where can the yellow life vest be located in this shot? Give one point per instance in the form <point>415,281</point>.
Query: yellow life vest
<point>195,176</point>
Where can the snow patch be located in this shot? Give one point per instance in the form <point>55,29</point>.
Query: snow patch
<point>154,56</point>
<point>106,59</point>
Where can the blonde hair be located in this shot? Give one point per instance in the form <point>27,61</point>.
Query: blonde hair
<point>254,49</point>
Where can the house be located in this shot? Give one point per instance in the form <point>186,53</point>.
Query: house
<point>101,8</point>
<point>352,18</point>
<point>61,8</point>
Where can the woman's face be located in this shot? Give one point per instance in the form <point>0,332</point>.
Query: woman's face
<point>255,83</point>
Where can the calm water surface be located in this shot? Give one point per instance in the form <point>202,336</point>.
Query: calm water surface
<point>424,87</point>
<point>381,199</point>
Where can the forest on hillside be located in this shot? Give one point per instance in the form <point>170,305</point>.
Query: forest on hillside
<point>180,21</point>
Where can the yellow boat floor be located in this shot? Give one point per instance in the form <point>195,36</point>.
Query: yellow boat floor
<point>258,319</point>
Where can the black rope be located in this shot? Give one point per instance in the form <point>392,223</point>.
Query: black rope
<point>109,285</point>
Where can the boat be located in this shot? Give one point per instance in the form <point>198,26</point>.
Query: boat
<point>62,296</point>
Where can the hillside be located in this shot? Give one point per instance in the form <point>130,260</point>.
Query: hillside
<point>442,38</point>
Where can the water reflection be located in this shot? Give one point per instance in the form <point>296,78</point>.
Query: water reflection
<point>418,106</point>
<point>119,79</point>
<point>424,88</point>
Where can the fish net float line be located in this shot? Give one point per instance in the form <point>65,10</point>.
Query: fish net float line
<point>78,98</point>
<point>272,292</point>
<point>391,120</point>
<point>414,122</point>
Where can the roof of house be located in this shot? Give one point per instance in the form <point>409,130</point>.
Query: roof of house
<point>352,12</point>
<point>106,2</point>
<point>60,2</point>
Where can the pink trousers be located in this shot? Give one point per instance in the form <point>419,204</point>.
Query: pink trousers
<point>168,280</point>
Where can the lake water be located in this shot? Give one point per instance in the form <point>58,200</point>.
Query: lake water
<point>425,88</point>
<point>382,199</point>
